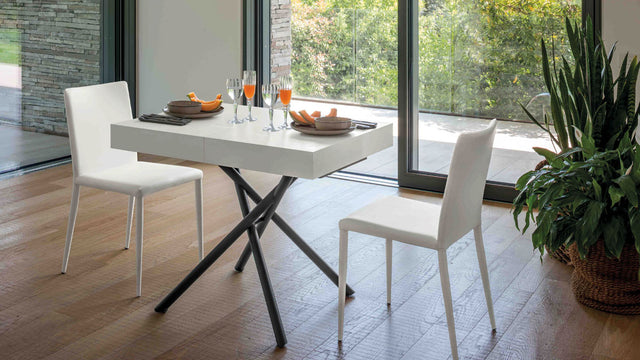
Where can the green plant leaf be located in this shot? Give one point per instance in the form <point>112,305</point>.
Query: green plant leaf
<point>597,189</point>
<point>634,221</point>
<point>540,125</point>
<point>614,236</point>
<point>567,153</point>
<point>628,186</point>
<point>549,155</point>
<point>615,194</point>
<point>587,225</point>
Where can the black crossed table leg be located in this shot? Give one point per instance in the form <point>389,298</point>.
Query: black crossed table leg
<point>255,221</point>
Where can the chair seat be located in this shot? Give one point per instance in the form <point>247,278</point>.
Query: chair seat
<point>139,178</point>
<point>395,218</point>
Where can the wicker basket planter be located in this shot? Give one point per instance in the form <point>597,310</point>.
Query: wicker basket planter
<point>605,284</point>
<point>562,255</point>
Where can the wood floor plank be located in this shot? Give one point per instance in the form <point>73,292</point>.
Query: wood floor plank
<point>91,311</point>
<point>552,325</point>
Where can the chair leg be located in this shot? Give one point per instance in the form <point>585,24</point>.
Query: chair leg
<point>342,280</point>
<point>484,272</point>
<point>127,240</point>
<point>139,225</point>
<point>389,250</point>
<point>73,211</point>
<point>199,218</point>
<point>448,301</point>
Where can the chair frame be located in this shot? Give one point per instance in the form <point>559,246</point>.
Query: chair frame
<point>136,200</point>
<point>444,241</point>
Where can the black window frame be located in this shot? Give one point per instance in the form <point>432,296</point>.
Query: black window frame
<point>257,42</point>
<point>118,45</point>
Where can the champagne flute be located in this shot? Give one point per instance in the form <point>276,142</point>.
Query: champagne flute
<point>249,84</point>
<point>234,90</point>
<point>286,87</point>
<point>270,97</point>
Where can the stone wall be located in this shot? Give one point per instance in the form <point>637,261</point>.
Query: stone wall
<point>60,43</point>
<point>280,38</point>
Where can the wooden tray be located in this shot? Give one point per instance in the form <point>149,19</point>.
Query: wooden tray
<point>200,115</point>
<point>313,131</point>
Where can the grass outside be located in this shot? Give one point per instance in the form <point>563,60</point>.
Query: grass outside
<point>10,46</point>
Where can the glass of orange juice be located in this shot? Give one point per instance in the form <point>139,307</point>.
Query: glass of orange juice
<point>249,85</point>
<point>286,87</point>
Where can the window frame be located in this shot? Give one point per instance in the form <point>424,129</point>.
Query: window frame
<point>118,45</point>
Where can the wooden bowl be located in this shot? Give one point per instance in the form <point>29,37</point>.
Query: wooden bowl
<point>184,107</point>
<point>332,123</point>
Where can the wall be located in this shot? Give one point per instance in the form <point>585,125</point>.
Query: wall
<point>620,22</point>
<point>187,45</point>
<point>280,38</point>
<point>60,48</point>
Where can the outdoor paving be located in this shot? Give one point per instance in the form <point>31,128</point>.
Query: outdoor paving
<point>512,153</point>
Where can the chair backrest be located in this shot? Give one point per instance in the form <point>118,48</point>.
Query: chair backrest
<point>462,201</point>
<point>90,112</point>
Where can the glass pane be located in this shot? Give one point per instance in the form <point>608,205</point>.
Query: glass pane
<point>341,54</point>
<point>45,47</point>
<point>480,60</point>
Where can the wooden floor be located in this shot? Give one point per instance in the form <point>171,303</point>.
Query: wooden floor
<point>91,312</point>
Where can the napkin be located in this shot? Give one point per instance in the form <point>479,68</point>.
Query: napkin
<point>164,119</point>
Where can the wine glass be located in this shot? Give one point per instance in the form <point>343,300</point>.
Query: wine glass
<point>270,97</point>
<point>286,87</point>
<point>234,90</point>
<point>249,83</point>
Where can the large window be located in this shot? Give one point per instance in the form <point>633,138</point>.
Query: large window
<point>469,61</point>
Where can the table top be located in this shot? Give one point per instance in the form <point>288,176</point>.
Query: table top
<point>246,146</point>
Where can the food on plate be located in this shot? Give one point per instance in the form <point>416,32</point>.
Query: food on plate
<point>298,118</point>
<point>206,105</point>
<point>310,119</point>
<point>302,117</point>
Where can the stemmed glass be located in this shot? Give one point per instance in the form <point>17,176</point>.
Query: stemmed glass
<point>249,83</point>
<point>286,87</point>
<point>270,97</point>
<point>234,90</point>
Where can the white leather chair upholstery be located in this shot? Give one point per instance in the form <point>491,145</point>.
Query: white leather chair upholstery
<point>90,112</point>
<point>428,225</point>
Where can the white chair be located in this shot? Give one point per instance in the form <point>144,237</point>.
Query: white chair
<point>90,112</point>
<point>428,225</point>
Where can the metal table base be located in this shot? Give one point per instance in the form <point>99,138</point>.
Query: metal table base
<point>254,222</point>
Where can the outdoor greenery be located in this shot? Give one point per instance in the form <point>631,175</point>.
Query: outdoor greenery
<point>476,57</point>
<point>9,46</point>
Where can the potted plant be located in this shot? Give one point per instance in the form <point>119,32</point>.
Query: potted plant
<point>586,198</point>
<point>583,93</point>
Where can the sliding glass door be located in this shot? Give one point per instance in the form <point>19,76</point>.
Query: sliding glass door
<point>463,63</point>
<point>435,68</point>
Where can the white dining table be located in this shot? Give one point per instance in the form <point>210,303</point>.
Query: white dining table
<point>233,147</point>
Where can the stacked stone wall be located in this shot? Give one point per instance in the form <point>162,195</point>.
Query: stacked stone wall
<point>280,38</point>
<point>60,48</point>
